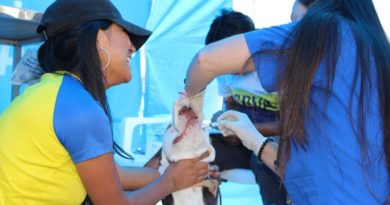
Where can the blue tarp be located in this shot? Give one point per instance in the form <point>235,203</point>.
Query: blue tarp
<point>179,29</point>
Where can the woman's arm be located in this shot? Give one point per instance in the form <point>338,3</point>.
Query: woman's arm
<point>229,55</point>
<point>102,183</point>
<point>133,178</point>
<point>269,155</point>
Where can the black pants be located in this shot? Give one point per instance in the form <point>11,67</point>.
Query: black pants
<point>228,156</point>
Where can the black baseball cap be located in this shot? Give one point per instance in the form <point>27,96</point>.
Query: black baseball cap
<point>65,14</point>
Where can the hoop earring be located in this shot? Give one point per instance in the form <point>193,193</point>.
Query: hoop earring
<point>108,56</point>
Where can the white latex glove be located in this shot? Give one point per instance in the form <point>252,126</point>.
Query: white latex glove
<point>185,101</point>
<point>237,123</point>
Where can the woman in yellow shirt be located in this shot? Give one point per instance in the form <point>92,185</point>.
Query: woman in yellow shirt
<point>56,143</point>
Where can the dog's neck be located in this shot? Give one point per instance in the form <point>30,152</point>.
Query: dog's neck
<point>185,141</point>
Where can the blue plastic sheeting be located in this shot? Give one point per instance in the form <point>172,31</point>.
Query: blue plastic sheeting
<point>179,29</point>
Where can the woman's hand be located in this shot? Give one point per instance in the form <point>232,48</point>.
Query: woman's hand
<point>187,172</point>
<point>237,123</point>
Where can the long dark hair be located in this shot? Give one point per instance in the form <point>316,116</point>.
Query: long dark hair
<point>227,24</point>
<point>74,50</point>
<point>316,39</point>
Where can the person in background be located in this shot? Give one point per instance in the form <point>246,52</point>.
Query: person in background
<point>56,143</point>
<point>243,92</point>
<point>331,70</point>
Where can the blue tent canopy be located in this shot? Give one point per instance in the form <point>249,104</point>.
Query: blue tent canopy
<point>179,29</point>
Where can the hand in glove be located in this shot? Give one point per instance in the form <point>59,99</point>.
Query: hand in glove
<point>184,102</point>
<point>233,122</point>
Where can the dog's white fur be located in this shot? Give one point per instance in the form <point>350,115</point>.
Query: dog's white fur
<point>195,142</point>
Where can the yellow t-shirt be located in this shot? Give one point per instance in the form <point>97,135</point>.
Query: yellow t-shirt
<point>37,151</point>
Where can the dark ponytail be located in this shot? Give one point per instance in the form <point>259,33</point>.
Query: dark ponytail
<point>319,29</point>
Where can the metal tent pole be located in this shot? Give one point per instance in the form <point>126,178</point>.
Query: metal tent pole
<point>17,56</point>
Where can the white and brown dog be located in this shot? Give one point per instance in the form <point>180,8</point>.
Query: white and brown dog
<point>187,139</point>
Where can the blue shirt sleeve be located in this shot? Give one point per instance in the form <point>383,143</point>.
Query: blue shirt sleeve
<point>266,41</point>
<point>80,123</point>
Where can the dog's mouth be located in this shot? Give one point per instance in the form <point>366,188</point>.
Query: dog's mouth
<point>191,119</point>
